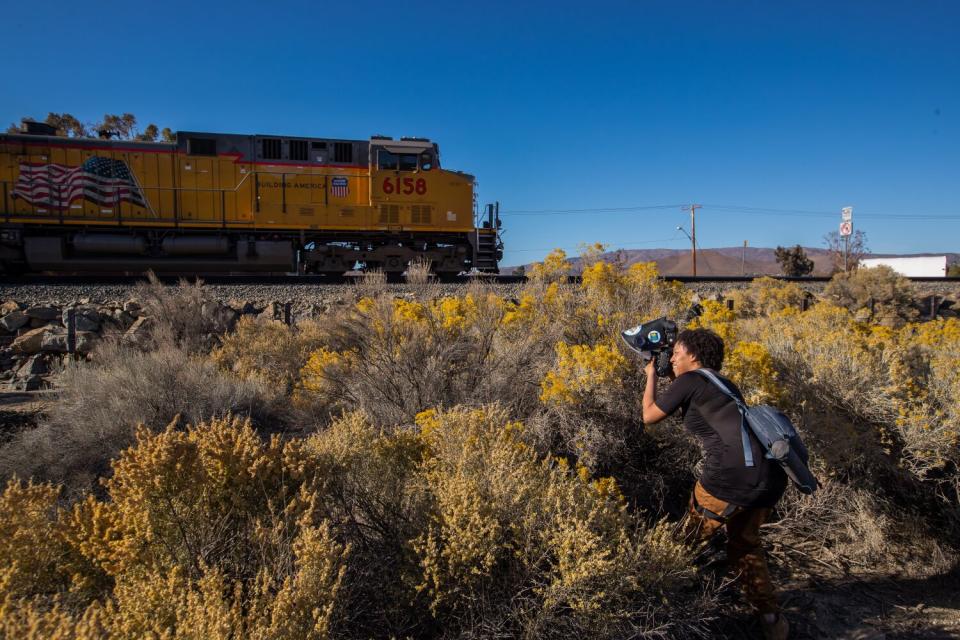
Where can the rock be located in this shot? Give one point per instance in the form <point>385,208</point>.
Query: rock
<point>8,307</point>
<point>132,307</point>
<point>87,318</point>
<point>54,342</point>
<point>242,306</point>
<point>86,341</point>
<point>31,342</point>
<point>273,311</point>
<point>33,366</point>
<point>14,320</point>
<point>31,383</point>
<point>37,322</point>
<point>43,312</point>
<point>137,330</point>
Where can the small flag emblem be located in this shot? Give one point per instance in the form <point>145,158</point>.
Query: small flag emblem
<point>340,187</point>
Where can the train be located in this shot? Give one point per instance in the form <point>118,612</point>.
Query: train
<point>238,203</point>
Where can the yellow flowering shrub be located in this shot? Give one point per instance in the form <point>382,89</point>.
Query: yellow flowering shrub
<point>271,352</point>
<point>612,298</point>
<point>581,370</point>
<point>554,268</point>
<point>205,535</point>
<point>826,351</point>
<point>719,319</point>
<point>877,294</point>
<point>765,296</point>
<point>751,367</point>
<point>925,381</point>
<point>321,375</point>
<point>506,522</point>
<point>32,553</point>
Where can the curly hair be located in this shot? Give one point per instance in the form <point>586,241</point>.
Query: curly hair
<point>704,345</point>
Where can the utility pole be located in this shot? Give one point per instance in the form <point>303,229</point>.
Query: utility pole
<point>693,234</point>
<point>743,257</point>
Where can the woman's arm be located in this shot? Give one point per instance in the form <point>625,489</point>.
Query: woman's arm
<point>651,412</point>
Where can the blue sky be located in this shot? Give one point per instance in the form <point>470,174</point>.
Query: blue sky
<point>771,114</point>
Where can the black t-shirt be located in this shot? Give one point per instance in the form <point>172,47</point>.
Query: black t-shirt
<point>715,420</point>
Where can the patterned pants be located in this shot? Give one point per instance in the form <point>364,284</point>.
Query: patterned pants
<point>707,515</point>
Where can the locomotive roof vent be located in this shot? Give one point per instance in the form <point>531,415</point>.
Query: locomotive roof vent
<point>34,128</point>
<point>380,137</point>
<point>414,139</point>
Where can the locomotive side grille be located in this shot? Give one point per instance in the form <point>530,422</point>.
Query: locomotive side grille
<point>420,214</point>
<point>389,214</point>
<point>201,146</point>
<point>298,149</point>
<point>271,148</point>
<point>342,152</point>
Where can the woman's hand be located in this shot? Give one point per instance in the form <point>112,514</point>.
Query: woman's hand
<point>650,368</point>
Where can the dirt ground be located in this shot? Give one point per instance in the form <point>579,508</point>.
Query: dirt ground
<point>826,602</point>
<point>19,410</point>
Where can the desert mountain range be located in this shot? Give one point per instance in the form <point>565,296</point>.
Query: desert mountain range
<point>726,261</point>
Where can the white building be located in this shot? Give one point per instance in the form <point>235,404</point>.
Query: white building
<point>914,266</point>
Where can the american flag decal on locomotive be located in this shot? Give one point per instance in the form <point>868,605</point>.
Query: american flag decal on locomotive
<point>340,187</point>
<point>104,181</point>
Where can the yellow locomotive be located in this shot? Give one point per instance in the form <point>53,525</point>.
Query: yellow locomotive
<point>212,202</point>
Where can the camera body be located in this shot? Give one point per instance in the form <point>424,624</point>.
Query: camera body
<point>653,340</point>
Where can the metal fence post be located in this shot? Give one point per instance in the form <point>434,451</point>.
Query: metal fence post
<point>287,315</point>
<point>71,331</point>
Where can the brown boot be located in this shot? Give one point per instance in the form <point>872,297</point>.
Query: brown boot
<point>779,629</point>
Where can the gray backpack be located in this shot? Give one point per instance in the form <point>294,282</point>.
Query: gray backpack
<point>776,434</point>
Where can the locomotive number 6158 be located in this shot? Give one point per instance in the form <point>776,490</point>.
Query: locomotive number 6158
<point>405,186</point>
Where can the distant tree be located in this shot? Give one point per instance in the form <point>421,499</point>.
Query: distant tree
<point>149,134</point>
<point>66,125</point>
<point>519,271</point>
<point>121,127</point>
<point>856,248</point>
<point>794,261</point>
<point>953,271</point>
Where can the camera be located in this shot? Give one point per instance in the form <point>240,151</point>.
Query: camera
<point>654,339</point>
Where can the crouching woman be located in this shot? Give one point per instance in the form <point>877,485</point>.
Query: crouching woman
<point>729,494</point>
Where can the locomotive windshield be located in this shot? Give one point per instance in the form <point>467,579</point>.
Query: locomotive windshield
<point>404,161</point>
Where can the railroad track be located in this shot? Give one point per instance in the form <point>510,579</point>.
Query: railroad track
<point>307,280</point>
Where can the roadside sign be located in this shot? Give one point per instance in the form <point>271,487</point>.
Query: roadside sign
<point>846,214</point>
<point>846,228</point>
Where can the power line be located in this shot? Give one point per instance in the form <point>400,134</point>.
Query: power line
<point>550,212</point>
<point>806,213</point>
<point>741,209</point>
<point>619,245</point>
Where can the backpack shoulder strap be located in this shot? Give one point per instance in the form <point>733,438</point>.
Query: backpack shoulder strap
<point>710,375</point>
<point>744,435</point>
